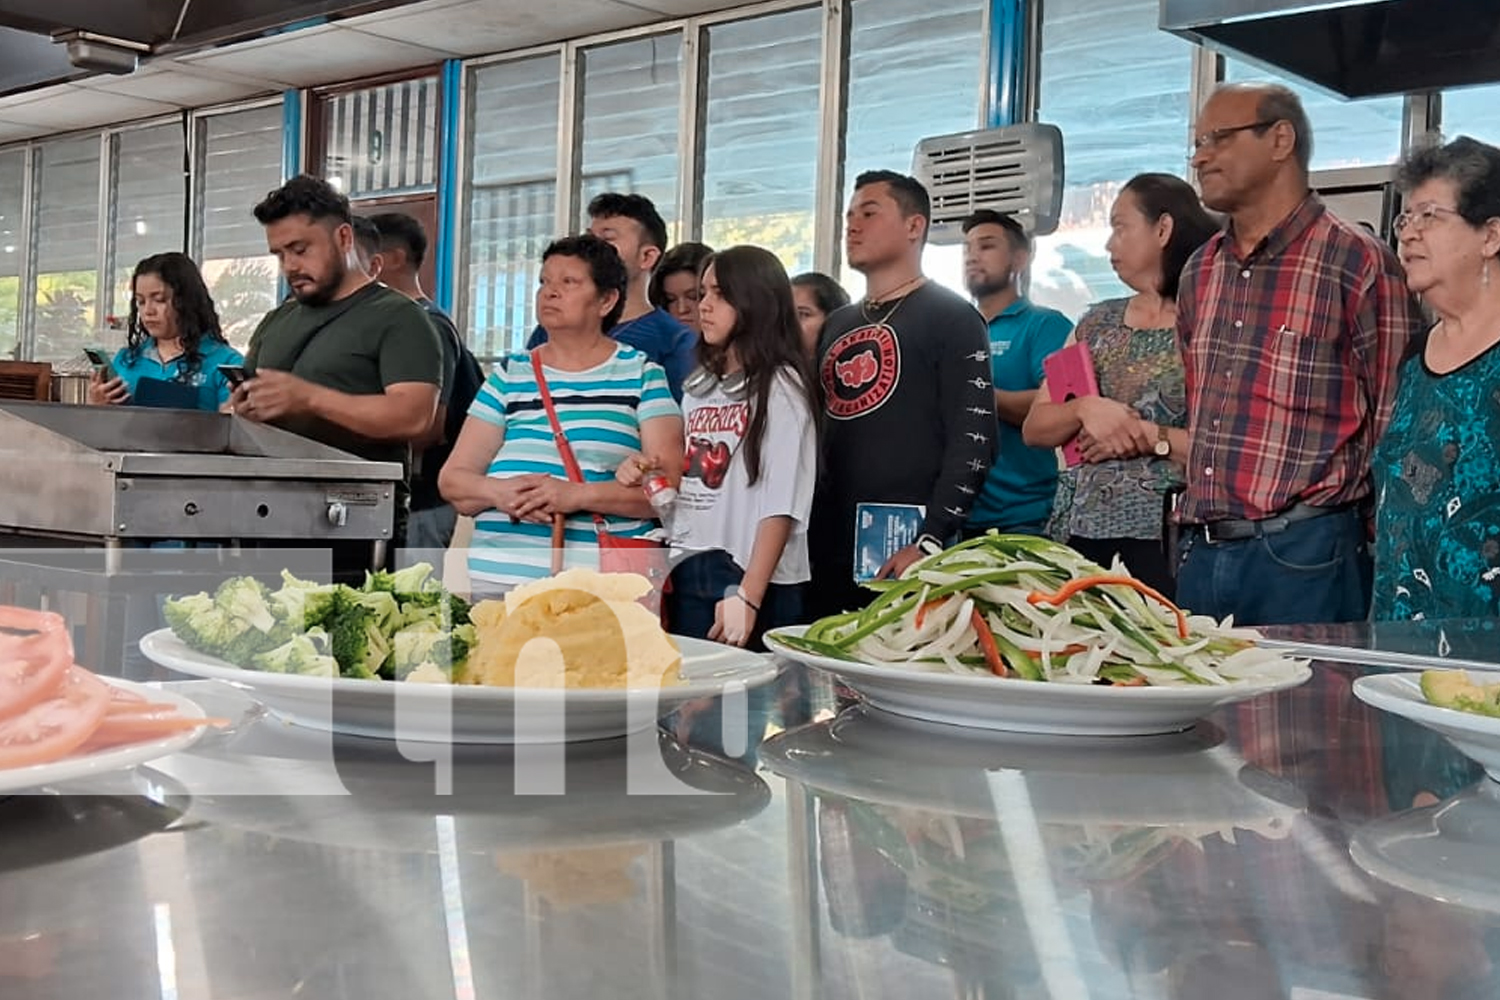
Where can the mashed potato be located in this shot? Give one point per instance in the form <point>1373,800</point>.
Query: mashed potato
<point>579,629</point>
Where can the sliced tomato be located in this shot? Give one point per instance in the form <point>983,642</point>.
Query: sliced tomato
<point>138,728</point>
<point>57,725</point>
<point>33,672</point>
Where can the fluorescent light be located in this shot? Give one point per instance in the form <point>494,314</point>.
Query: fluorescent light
<point>140,227</point>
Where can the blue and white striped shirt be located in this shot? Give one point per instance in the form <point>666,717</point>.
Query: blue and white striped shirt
<point>601,411</point>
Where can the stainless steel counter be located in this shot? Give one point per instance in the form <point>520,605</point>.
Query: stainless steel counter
<point>1278,850</point>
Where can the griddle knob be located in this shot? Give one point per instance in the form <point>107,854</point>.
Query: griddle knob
<point>338,514</point>
<point>190,508</point>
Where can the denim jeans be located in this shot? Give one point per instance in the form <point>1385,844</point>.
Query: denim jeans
<point>701,581</point>
<point>1315,571</point>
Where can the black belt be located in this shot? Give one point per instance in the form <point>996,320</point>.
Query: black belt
<point>1238,529</point>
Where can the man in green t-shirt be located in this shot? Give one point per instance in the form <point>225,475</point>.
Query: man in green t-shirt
<point>345,360</point>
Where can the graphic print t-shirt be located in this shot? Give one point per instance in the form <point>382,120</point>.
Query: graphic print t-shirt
<point>716,507</point>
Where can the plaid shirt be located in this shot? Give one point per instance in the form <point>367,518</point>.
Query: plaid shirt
<point>1291,357</point>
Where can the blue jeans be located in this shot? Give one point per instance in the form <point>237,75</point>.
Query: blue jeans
<point>701,581</point>
<point>1316,571</point>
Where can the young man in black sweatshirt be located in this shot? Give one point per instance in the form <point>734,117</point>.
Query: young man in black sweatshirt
<point>908,402</point>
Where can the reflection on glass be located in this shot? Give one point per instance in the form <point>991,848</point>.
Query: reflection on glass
<point>512,199</point>
<point>761,134</point>
<point>1117,86</point>
<point>148,200</point>
<point>241,158</point>
<point>12,246</point>
<point>1346,133</point>
<point>914,69</point>
<point>631,99</point>
<point>67,276</point>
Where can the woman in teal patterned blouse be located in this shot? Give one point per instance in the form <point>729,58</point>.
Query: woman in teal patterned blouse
<point>1132,434</point>
<point>1437,469</point>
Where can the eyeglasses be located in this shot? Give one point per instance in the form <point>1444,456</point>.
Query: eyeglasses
<point>1420,218</point>
<point>1217,137</point>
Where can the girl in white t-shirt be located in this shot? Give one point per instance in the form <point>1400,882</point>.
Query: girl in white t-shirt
<point>738,528</point>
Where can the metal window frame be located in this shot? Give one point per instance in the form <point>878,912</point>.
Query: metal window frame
<point>26,335</point>
<point>833,108</point>
<point>198,157</point>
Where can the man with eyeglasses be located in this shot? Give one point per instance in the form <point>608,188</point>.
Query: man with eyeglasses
<point>1292,324</point>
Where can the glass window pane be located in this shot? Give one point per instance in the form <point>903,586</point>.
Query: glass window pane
<point>1117,86</point>
<point>241,162</point>
<point>1346,133</point>
<point>914,72</point>
<point>68,250</point>
<point>512,203</point>
<point>631,99</point>
<point>148,201</point>
<point>761,134</point>
<point>383,140</point>
<point>1474,112</point>
<point>12,246</point>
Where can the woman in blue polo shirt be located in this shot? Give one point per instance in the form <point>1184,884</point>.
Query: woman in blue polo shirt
<point>173,338</point>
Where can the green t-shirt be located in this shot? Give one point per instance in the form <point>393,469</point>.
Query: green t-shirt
<point>357,345</point>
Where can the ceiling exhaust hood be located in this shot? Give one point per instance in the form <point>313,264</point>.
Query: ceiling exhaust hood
<point>1357,48</point>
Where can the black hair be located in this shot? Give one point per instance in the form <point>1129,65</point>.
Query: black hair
<point>827,293</point>
<point>1280,103</point>
<point>613,205</point>
<point>197,319</point>
<point>766,337</point>
<point>1192,225</point>
<point>401,230</point>
<point>304,195</point>
<point>606,269</point>
<point>1014,232</point>
<point>688,257</point>
<point>366,234</point>
<point>1471,166</point>
<point>909,194</point>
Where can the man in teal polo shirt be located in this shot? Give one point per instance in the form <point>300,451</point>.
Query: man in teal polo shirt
<point>1017,496</point>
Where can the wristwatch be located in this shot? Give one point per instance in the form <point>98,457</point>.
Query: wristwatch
<point>1163,446</point>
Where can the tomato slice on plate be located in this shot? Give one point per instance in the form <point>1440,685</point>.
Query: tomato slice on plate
<point>57,725</point>
<point>31,668</point>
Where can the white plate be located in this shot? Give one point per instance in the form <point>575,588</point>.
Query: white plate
<point>444,713</point>
<point>120,758</point>
<point>1446,852</point>
<point>1031,706</point>
<point>1476,736</point>
<point>1184,781</point>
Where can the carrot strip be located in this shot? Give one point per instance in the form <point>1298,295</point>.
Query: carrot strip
<point>930,605</point>
<point>1072,587</point>
<point>1134,682</point>
<point>987,644</point>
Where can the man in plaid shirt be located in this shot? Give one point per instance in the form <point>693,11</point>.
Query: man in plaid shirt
<point>1292,324</point>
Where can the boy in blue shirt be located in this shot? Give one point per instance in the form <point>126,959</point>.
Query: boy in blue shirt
<point>1017,495</point>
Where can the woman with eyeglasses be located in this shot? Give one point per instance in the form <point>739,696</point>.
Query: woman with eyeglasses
<point>1437,469</point>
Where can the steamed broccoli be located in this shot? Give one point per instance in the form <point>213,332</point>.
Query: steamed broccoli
<point>304,606</point>
<point>245,597</point>
<point>411,580</point>
<point>301,654</point>
<point>358,644</point>
<point>418,644</point>
<point>180,612</point>
<point>383,606</point>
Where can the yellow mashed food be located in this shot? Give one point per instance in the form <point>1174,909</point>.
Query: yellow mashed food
<point>579,629</point>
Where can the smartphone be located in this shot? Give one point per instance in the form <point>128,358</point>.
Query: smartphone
<point>233,374</point>
<point>101,362</point>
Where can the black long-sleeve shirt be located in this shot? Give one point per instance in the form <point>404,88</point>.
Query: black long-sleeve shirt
<point>910,419</point>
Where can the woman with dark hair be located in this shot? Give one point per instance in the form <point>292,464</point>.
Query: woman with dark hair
<point>739,527</point>
<point>611,403</point>
<point>674,283</point>
<point>1437,468</point>
<point>816,295</point>
<point>1132,435</point>
<point>173,336</point>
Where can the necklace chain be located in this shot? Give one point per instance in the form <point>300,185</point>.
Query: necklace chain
<point>867,302</point>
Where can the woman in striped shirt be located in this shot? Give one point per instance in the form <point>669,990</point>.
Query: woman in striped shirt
<point>506,469</point>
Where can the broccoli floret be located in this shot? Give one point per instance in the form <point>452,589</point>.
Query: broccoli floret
<point>411,647</point>
<point>411,580</point>
<point>246,598</point>
<point>461,640</point>
<point>357,642</point>
<point>302,654</point>
<point>305,606</point>
<point>458,610</point>
<point>383,606</point>
<point>180,612</point>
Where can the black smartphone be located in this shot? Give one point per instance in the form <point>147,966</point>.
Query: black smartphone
<point>233,374</point>
<point>101,362</point>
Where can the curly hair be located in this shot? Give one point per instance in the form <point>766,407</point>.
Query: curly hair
<point>605,268</point>
<point>305,195</point>
<point>197,319</point>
